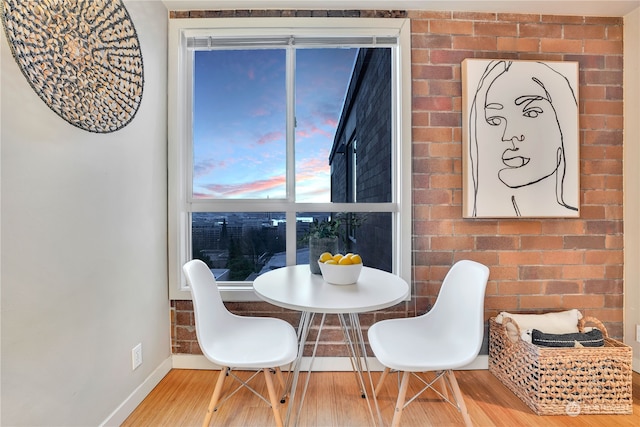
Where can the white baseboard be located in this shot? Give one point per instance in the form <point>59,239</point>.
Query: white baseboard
<point>125,409</point>
<point>320,364</point>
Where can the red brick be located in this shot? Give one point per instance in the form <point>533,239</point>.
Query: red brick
<point>541,242</point>
<point>452,243</point>
<point>562,228</point>
<point>520,227</point>
<point>602,197</point>
<point>517,258</point>
<point>518,17</point>
<point>583,302</point>
<point>475,16</point>
<point>445,181</point>
<point>557,45</point>
<point>448,119</point>
<point>446,149</point>
<point>562,257</point>
<point>603,107</point>
<point>420,56</point>
<point>602,286</point>
<point>602,77</point>
<point>431,41</point>
<point>433,103</point>
<point>496,243</point>
<point>605,47</point>
<point>540,303</point>
<point>433,72</point>
<point>454,57</point>
<point>420,26</point>
<point>614,32</point>
<point>475,43</point>
<point>517,44</point>
<point>548,31</point>
<point>585,32</point>
<point>604,257</point>
<point>521,288</point>
<point>540,272</point>
<point>428,14</point>
<point>561,287</point>
<point>562,19</point>
<point>450,27</point>
<point>582,272</point>
<point>432,134</point>
<point>500,303</point>
<point>496,29</point>
<point>445,87</point>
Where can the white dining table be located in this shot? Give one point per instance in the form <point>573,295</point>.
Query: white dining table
<point>296,288</point>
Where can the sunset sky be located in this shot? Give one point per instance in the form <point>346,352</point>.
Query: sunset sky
<point>239,121</point>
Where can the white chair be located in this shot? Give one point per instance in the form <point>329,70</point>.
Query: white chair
<point>237,342</point>
<point>447,337</point>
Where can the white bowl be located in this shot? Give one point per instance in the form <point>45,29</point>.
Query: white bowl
<point>337,274</point>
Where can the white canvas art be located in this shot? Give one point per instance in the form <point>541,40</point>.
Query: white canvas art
<point>520,139</point>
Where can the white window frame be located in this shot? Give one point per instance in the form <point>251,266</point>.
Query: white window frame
<point>179,142</point>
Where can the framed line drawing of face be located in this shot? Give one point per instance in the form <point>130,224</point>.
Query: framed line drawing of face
<point>520,139</point>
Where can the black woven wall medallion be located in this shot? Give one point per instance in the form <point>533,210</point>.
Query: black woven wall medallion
<point>82,58</point>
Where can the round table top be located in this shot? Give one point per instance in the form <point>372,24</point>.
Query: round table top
<point>296,288</point>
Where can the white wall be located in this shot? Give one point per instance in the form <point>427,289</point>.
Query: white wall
<point>632,182</point>
<point>84,248</point>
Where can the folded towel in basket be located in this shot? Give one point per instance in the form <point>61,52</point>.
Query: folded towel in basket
<point>592,338</point>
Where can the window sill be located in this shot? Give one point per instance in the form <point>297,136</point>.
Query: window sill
<point>238,293</point>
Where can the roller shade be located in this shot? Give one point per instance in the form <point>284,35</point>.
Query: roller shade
<point>211,42</point>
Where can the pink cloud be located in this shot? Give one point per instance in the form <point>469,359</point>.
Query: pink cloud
<point>260,112</point>
<point>311,130</point>
<point>330,121</point>
<point>312,167</point>
<point>235,190</point>
<point>203,168</point>
<point>270,137</point>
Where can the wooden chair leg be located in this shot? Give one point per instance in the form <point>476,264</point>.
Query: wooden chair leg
<point>273,397</point>
<point>443,386</point>
<point>215,396</point>
<point>280,378</point>
<point>381,380</point>
<point>459,398</point>
<point>402,393</point>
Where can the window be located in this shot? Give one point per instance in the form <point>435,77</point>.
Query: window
<point>263,122</point>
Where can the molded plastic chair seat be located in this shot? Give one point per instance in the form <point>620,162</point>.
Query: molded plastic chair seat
<point>447,337</point>
<point>253,342</point>
<point>242,342</point>
<point>409,346</point>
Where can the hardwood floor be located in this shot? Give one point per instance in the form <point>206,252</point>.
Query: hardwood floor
<point>333,399</point>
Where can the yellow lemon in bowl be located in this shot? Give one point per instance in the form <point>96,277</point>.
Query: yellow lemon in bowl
<point>338,257</point>
<point>331,261</point>
<point>326,256</point>
<point>345,261</point>
<point>356,259</point>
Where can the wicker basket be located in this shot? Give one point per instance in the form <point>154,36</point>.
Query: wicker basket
<point>563,381</point>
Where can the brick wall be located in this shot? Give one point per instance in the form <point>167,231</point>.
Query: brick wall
<point>537,265</point>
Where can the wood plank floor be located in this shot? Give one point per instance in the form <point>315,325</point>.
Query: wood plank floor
<point>333,400</point>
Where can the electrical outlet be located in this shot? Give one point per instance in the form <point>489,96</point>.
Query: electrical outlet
<point>136,356</point>
<point>638,333</point>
